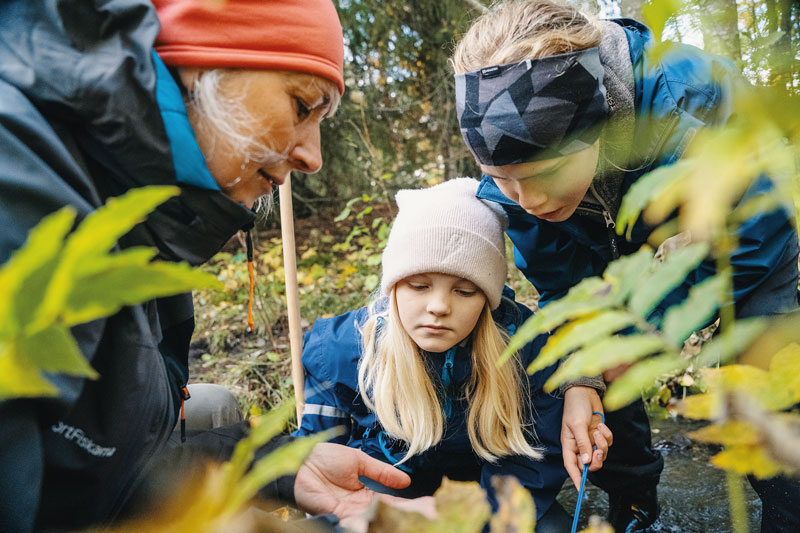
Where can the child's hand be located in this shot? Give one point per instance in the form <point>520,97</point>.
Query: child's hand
<point>580,431</point>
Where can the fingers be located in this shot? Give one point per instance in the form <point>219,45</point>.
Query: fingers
<point>571,465</point>
<point>383,473</point>
<point>600,453</point>
<point>584,444</point>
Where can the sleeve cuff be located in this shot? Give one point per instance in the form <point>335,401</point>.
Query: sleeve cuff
<point>593,382</point>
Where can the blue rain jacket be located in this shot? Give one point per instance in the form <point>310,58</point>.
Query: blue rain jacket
<point>673,99</point>
<point>330,357</point>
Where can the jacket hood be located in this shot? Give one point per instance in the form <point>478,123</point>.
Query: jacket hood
<point>87,68</point>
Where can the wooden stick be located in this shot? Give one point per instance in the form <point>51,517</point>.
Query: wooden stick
<point>292,293</point>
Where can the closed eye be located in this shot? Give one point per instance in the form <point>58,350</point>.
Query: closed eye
<point>302,109</point>
<point>466,292</point>
<point>418,286</point>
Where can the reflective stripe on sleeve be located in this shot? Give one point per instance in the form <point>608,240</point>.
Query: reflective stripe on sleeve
<point>324,410</point>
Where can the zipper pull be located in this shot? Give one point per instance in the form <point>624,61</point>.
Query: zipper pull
<point>447,381</point>
<point>184,396</point>
<point>609,221</point>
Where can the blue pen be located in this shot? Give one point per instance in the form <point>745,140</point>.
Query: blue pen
<point>583,483</point>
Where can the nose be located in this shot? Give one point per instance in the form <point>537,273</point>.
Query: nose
<point>306,155</point>
<point>531,200</point>
<point>439,303</point>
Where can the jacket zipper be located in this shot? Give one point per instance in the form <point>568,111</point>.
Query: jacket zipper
<point>607,218</point>
<point>447,381</point>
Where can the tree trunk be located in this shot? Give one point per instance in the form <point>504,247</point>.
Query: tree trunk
<point>719,22</point>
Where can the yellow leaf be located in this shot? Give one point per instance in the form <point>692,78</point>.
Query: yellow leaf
<point>700,406</point>
<point>746,460</point>
<point>728,434</point>
<point>784,370</point>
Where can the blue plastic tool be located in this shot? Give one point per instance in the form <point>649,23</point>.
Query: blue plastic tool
<point>583,484</point>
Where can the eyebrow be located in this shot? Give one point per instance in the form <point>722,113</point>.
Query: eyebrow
<point>550,170</point>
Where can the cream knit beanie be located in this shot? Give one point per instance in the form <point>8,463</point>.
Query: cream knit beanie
<point>446,229</point>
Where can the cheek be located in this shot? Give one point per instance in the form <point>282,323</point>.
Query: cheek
<point>506,188</point>
<point>472,312</point>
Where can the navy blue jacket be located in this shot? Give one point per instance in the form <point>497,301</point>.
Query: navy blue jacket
<point>331,356</point>
<point>686,90</point>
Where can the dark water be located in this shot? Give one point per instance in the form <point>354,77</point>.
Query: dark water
<point>692,493</point>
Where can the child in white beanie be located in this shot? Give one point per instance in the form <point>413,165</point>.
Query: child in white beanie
<point>414,377</point>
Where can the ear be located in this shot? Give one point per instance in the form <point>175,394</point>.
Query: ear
<point>189,76</point>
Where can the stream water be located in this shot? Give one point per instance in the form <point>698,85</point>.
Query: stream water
<point>692,493</point>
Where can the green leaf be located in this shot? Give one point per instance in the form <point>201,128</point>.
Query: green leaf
<point>283,461</point>
<point>652,289</point>
<point>588,296</point>
<point>647,189</point>
<point>24,278</point>
<point>125,281</point>
<point>101,229</point>
<point>262,430</point>
<point>19,378</point>
<point>642,375</point>
<point>55,350</point>
<point>703,300</point>
<point>96,235</point>
<point>343,215</point>
<point>580,333</point>
<point>627,271</point>
<point>735,339</point>
<point>608,353</point>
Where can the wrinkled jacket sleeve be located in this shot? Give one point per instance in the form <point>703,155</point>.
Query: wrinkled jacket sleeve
<point>323,346</point>
<point>543,478</point>
<point>766,242</point>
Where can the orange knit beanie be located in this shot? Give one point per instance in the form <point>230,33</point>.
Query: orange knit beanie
<point>298,35</point>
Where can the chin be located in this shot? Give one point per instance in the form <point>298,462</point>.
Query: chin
<point>433,346</point>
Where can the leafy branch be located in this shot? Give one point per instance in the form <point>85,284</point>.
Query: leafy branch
<point>60,279</point>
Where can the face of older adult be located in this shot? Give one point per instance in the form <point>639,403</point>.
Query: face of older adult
<point>256,126</point>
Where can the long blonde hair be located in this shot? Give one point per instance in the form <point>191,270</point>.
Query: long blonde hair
<point>517,30</point>
<point>395,384</point>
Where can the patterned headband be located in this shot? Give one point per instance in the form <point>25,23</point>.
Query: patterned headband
<point>533,110</point>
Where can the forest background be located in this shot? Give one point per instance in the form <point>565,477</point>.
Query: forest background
<point>396,128</point>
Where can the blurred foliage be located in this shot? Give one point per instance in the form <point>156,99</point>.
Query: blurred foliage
<point>223,496</point>
<point>462,507</point>
<point>60,279</point>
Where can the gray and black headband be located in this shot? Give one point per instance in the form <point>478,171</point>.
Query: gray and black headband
<point>533,110</point>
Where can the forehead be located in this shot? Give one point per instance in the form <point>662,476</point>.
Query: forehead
<point>438,277</point>
<point>266,82</point>
<point>522,170</point>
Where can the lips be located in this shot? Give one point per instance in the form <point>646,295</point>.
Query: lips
<point>434,328</point>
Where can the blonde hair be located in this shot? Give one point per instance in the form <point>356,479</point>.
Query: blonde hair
<point>395,384</point>
<point>517,30</point>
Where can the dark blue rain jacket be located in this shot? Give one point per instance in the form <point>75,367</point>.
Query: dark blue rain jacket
<point>687,90</point>
<point>331,356</point>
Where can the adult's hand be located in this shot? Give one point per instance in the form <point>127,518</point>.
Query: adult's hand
<point>581,430</point>
<point>328,480</point>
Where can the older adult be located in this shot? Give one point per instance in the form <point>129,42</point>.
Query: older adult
<point>226,108</point>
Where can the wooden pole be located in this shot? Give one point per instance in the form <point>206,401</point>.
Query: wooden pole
<point>292,293</point>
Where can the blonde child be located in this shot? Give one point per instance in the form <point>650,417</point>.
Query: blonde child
<point>414,377</point>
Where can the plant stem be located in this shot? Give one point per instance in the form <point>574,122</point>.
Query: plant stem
<point>737,504</point>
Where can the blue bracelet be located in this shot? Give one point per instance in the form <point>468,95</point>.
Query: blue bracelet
<point>583,483</point>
